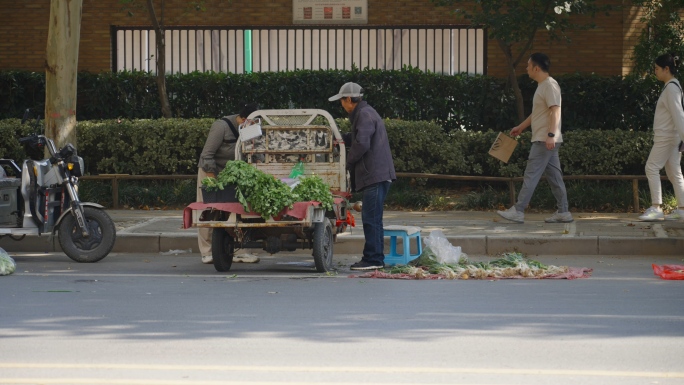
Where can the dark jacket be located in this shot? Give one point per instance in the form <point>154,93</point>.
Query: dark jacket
<point>370,158</point>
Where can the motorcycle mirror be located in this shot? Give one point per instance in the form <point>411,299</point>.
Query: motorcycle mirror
<point>26,115</point>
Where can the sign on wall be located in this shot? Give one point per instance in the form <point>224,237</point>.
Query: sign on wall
<point>330,11</point>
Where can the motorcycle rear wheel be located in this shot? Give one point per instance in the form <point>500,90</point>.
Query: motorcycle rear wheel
<point>97,245</point>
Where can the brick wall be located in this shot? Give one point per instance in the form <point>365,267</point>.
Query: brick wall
<point>605,50</point>
<point>631,30</point>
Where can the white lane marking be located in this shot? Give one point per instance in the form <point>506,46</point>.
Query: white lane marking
<point>659,231</point>
<point>346,369</point>
<point>130,229</point>
<point>102,381</point>
<point>91,381</point>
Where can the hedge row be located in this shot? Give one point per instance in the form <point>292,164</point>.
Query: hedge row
<point>473,103</point>
<point>172,146</point>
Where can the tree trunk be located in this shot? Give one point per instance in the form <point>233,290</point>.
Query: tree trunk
<point>161,62</point>
<point>61,69</point>
<point>519,104</point>
<point>161,74</point>
<point>513,80</point>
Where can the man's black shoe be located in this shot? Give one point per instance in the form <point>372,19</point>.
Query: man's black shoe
<point>365,265</point>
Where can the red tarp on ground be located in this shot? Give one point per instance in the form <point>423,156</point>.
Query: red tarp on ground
<point>671,272</point>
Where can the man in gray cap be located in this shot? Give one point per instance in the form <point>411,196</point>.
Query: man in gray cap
<point>372,168</point>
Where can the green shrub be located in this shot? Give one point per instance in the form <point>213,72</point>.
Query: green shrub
<point>403,195</point>
<point>173,146</point>
<point>455,102</point>
<point>486,198</point>
<point>20,90</point>
<point>11,130</point>
<point>140,194</point>
<point>142,147</point>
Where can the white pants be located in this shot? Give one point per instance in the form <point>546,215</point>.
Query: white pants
<point>665,154</point>
<point>203,233</point>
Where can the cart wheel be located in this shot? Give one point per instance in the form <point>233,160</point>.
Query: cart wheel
<point>222,249</point>
<point>323,246</point>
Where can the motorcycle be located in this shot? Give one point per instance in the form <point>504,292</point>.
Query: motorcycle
<point>42,197</point>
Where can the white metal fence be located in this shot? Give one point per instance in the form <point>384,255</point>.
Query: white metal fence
<point>440,49</point>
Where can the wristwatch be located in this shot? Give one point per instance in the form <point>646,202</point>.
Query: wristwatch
<point>551,134</point>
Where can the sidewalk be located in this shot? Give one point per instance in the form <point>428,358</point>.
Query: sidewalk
<point>477,232</point>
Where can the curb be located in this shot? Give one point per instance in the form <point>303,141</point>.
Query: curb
<point>353,244</point>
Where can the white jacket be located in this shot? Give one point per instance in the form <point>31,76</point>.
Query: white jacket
<point>668,121</point>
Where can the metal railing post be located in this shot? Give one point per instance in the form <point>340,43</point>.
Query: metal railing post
<point>115,192</point>
<point>635,194</point>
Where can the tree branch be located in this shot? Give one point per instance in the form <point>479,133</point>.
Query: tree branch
<point>153,16</point>
<point>531,38</point>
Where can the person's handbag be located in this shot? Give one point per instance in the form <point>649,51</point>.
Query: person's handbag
<point>250,129</point>
<point>503,147</point>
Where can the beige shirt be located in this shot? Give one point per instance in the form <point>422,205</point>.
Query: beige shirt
<point>548,94</point>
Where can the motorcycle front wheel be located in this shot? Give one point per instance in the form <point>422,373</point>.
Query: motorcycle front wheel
<point>94,247</point>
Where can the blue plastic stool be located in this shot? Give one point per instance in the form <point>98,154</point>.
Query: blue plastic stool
<point>406,233</point>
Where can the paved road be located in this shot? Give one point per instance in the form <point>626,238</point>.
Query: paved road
<point>167,319</point>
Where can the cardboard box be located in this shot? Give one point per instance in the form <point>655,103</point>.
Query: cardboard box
<point>503,147</point>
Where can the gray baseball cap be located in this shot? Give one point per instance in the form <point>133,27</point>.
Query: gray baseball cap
<point>348,90</point>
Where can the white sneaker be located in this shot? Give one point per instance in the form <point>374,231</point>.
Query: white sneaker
<point>512,215</point>
<point>675,215</point>
<point>652,214</point>
<point>557,217</point>
<point>207,259</point>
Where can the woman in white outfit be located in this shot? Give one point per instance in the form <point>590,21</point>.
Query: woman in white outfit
<point>668,132</point>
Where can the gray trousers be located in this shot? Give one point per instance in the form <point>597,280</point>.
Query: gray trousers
<point>543,162</point>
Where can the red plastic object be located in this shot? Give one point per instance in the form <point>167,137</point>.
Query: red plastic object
<point>672,272</point>
<point>349,221</point>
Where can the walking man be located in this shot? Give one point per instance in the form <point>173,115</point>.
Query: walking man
<point>372,168</point>
<point>546,140</point>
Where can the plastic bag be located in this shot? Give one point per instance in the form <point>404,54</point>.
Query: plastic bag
<point>298,170</point>
<point>7,264</point>
<point>250,130</point>
<point>292,183</point>
<point>176,252</point>
<point>671,272</point>
<point>443,249</point>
